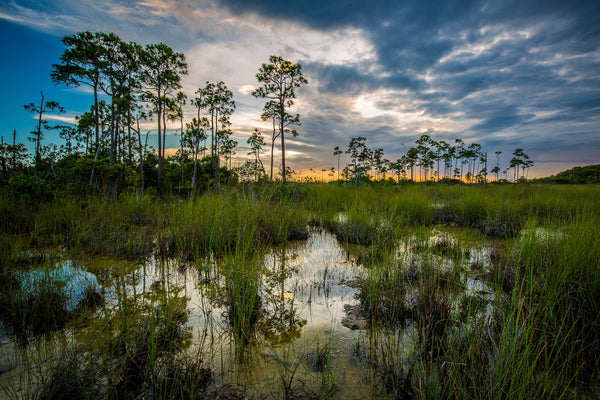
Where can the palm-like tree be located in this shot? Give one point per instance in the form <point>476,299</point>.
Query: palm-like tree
<point>336,153</point>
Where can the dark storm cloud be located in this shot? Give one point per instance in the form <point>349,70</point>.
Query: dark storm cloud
<point>131,20</point>
<point>502,119</point>
<point>353,80</point>
<point>500,63</point>
<point>340,79</point>
<point>316,14</point>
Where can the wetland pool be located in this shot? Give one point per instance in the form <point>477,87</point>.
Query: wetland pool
<point>303,337</point>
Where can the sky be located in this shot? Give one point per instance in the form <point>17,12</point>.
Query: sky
<point>505,74</point>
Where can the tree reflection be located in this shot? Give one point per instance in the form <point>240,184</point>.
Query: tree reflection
<point>266,312</point>
<point>280,323</point>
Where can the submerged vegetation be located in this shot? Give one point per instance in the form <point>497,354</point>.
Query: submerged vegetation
<point>462,292</point>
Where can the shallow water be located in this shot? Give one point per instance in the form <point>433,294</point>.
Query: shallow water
<point>305,288</point>
<point>72,278</point>
<point>305,279</point>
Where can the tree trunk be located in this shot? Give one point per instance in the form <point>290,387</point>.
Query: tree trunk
<point>112,131</point>
<point>485,169</point>
<point>159,104</point>
<point>196,153</point>
<point>215,158</point>
<point>273,137</point>
<point>282,133</point>
<point>96,112</point>
<point>141,154</point>
<point>94,164</point>
<point>164,135</point>
<point>39,130</point>
<point>118,142</point>
<point>182,154</point>
<point>129,140</point>
<point>195,163</point>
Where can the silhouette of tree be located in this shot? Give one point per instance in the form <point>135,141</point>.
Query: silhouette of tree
<point>217,99</point>
<point>44,107</point>
<point>280,78</point>
<point>161,70</point>
<point>336,153</point>
<point>256,142</point>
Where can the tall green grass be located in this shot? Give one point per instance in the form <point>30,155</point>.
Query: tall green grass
<point>222,223</point>
<point>559,271</point>
<point>130,227</point>
<point>383,290</point>
<point>541,339</point>
<point>127,227</point>
<point>243,280</point>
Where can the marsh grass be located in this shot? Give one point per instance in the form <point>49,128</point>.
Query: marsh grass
<point>244,281</point>
<point>131,353</point>
<point>223,223</point>
<point>127,227</point>
<point>560,277</point>
<point>390,356</point>
<point>81,373</point>
<point>39,308</point>
<point>433,313</point>
<point>308,375</point>
<point>418,281</point>
<point>66,378</point>
<point>383,291</point>
<point>287,364</point>
<point>536,337</point>
<point>541,339</point>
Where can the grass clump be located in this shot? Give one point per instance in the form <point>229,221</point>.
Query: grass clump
<point>221,223</point>
<point>80,373</point>
<point>33,309</point>
<point>41,300</point>
<point>559,271</point>
<point>309,375</point>
<point>243,282</point>
<point>387,355</point>
<point>540,339</point>
<point>383,292</point>
<point>68,377</point>
<point>134,352</point>
<point>432,314</point>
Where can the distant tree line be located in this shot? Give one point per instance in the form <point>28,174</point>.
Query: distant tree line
<point>430,160</point>
<point>575,175</point>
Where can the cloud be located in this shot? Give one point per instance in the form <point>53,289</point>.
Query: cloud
<point>484,70</point>
<point>463,69</point>
<point>70,119</point>
<point>246,89</point>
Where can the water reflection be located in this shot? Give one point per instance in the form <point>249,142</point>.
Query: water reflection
<point>281,322</point>
<point>75,282</point>
<point>303,290</point>
<point>318,286</point>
